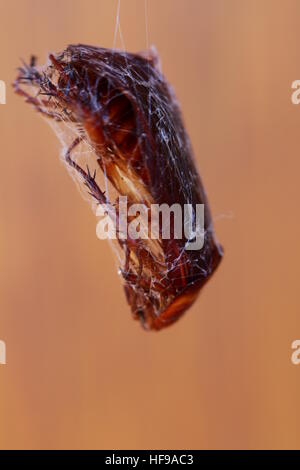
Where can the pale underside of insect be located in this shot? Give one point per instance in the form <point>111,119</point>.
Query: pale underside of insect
<point>122,108</point>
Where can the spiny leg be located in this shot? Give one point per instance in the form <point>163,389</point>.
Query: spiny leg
<point>36,103</point>
<point>28,74</point>
<point>89,180</point>
<point>128,245</point>
<point>95,191</point>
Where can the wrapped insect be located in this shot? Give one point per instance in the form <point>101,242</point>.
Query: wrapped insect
<point>121,106</point>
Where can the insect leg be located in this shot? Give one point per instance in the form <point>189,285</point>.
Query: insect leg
<point>36,102</point>
<point>89,180</point>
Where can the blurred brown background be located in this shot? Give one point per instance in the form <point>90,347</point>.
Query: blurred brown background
<point>80,372</point>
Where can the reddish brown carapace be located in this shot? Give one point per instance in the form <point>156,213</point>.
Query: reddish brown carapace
<point>123,107</point>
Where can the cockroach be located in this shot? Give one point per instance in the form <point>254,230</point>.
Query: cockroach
<point>122,106</point>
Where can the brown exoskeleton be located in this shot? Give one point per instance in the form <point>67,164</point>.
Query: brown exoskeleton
<point>122,106</point>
